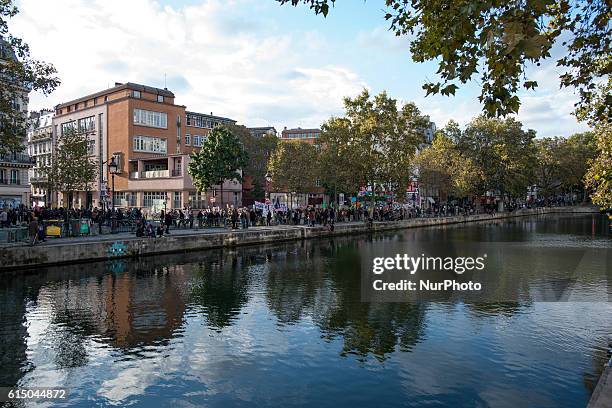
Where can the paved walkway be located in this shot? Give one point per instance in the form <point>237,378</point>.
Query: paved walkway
<point>51,241</point>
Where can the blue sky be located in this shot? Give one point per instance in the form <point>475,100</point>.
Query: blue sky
<point>254,60</point>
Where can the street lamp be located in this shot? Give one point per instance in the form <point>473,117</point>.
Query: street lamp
<point>113,169</point>
<point>268,181</point>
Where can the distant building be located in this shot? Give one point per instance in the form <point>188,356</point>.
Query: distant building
<point>430,131</point>
<point>304,135</point>
<point>41,143</point>
<point>14,166</point>
<point>262,131</point>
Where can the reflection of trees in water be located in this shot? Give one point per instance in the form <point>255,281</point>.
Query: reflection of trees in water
<point>220,287</point>
<point>322,279</point>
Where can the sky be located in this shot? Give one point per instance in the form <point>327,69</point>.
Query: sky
<point>255,61</point>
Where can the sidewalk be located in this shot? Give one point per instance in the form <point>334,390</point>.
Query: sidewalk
<point>125,236</point>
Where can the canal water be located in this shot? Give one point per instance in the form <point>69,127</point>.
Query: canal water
<point>285,325</point>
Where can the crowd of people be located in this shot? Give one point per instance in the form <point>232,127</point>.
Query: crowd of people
<point>146,224</point>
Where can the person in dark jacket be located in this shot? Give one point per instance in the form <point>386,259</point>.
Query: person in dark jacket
<point>168,222</point>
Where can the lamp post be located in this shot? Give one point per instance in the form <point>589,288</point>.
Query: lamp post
<point>268,181</point>
<point>113,169</point>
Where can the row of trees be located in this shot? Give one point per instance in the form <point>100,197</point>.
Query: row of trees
<point>380,143</point>
<point>499,156</point>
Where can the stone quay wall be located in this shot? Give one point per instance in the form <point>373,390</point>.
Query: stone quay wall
<point>109,247</point>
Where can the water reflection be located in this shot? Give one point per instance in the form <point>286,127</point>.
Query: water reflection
<point>208,327</point>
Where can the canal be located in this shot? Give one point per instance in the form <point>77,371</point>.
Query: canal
<point>285,324</point>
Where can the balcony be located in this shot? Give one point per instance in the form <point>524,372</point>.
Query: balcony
<point>152,174</point>
<point>17,158</point>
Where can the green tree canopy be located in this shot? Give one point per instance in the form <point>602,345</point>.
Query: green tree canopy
<point>293,166</point>
<point>221,158</point>
<point>72,168</point>
<point>19,74</point>
<point>503,151</point>
<point>259,150</point>
<point>382,140</point>
<point>442,167</point>
<point>339,171</point>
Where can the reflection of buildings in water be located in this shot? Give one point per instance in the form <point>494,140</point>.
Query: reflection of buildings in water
<point>126,309</point>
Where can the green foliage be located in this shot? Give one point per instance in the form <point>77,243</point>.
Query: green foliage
<point>293,166</point>
<point>504,153</point>
<point>19,74</point>
<point>259,150</point>
<point>495,40</point>
<point>221,158</point>
<point>599,176</point>
<point>72,168</point>
<point>441,167</point>
<point>337,166</point>
<point>383,139</point>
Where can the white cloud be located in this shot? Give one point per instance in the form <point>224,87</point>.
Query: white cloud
<point>214,60</point>
<point>234,58</point>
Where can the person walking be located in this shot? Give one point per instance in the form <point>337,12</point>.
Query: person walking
<point>33,230</point>
<point>168,222</point>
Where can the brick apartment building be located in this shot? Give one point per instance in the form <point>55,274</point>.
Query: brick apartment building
<point>150,137</point>
<point>303,135</point>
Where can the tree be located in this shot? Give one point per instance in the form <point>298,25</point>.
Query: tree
<point>498,39</point>
<point>383,140</point>
<point>72,168</point>
<point>293,165</point>
<point>549,170</point>
<point>221,158</point>
<point>579,150</point>
<point>599,176</point>
<point>337,168</point>
<point>19,74</point>
<point>503,151</point>
<point>259,150</point>
<point>441,167</point>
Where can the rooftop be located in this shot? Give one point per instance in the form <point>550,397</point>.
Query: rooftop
<point>119,87</point>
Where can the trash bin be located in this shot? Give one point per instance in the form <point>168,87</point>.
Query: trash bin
<point>75,227</point>
<point>84,227</point>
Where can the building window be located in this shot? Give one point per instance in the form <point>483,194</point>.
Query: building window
<point>85,104</point>
<point>150,144</point>
<point>2,176</point>
<point>150,198</point>
<point>68,127</point>
<point>14,176</point>
<point>160,98</point>
<point>177,199</point>
<point>87,125</point>
<point>152,119</point>
<point>187,139</point>
<point>197,141</point>
<point>106,98</point>
<point>136,94</point>
<point>318,182</point>
<point>68,108</point>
